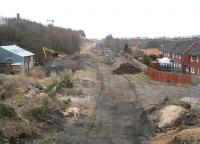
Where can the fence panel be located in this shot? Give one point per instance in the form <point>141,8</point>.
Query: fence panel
<point>168,76</point>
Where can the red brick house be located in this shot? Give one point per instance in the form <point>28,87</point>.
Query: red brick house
<point>185,53</point>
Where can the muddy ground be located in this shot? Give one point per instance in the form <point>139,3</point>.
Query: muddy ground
<point>116,104</point>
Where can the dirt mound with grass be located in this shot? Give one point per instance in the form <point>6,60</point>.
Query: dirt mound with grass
<point>185,136</point>
<point>176,124</point>
<point>51,116</point>
<point>126,68</point>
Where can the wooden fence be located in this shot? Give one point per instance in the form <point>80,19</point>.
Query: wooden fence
<point>169,77</point>
<point>163,76</point>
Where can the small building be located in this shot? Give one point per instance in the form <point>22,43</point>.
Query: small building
<point>150,47</point>
<point>16,59</point>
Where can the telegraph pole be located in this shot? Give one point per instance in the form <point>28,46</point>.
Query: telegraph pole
<point>50,22</point>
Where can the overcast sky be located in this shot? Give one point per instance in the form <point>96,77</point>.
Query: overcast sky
<point>121,18</point>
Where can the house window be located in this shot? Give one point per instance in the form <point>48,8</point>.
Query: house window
<point>179,56</point>
<point>187,69</point>
<point>197,59</point>
<point>192,58</point>
<point>198,71</point>
<point>180,65</point>
<point>192,70</point>
<point>173,55</point>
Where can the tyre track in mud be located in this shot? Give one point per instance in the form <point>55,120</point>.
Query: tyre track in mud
<point>118,117</point>
<point>148,129</point>
<point>102,131</point>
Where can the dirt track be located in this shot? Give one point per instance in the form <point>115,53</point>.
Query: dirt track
<point>118,107</point>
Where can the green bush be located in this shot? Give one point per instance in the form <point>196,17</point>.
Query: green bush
<point>127,49</point>
<point>7,111</point>
<point>153,57</point>
<point>38,113</point>
<point>147,60</point>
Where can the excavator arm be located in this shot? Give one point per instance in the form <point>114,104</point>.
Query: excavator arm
<point>45,50</point>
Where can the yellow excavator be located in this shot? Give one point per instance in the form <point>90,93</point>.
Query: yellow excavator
<point>48,53</point>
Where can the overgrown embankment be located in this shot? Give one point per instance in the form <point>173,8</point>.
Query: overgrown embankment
<point>29,107</point>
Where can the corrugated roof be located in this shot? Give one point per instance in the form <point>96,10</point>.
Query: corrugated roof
<point>17,50</point>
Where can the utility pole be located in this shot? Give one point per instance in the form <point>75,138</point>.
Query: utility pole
<point>50,23</point>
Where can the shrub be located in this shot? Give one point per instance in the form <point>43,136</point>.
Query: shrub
<point>127,49</point>
<point>38,113</point>
<point>7,111</point>
<point>12,86</point>
<point>37,72</point>
<point>147,60</point>
<point>9,88</point>
<point>153,57</point>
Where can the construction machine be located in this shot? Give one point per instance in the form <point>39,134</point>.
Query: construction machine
<point>48,52</point>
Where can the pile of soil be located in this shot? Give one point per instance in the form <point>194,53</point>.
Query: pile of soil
<point>126,68</point>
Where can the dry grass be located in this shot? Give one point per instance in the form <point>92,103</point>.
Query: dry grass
<point>85,75</point>
<point>13,85</point>
<point>49,81</point>
<point>87,47</point>
<point>26,102</point>
<point>15,128</point>
<point>189,135</point>
<point>185,136</point>
<point>164,138</point>
<point>37,73</point>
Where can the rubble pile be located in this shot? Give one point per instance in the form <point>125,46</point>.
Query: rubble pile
<point>176,123</point>
<point>126,68</point>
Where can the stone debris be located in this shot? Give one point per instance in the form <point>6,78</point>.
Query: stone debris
<point>72,112</point>
<point>170,115</point>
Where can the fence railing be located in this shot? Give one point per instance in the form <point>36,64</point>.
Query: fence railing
<point>169,68</point>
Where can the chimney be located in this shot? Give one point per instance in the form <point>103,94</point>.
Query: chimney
<point>18,16</point>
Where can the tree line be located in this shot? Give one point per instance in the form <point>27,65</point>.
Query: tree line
<point>33,36</point>
<point>115,44</point>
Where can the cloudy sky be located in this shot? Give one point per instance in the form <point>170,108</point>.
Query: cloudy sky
<point>121,18</point>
